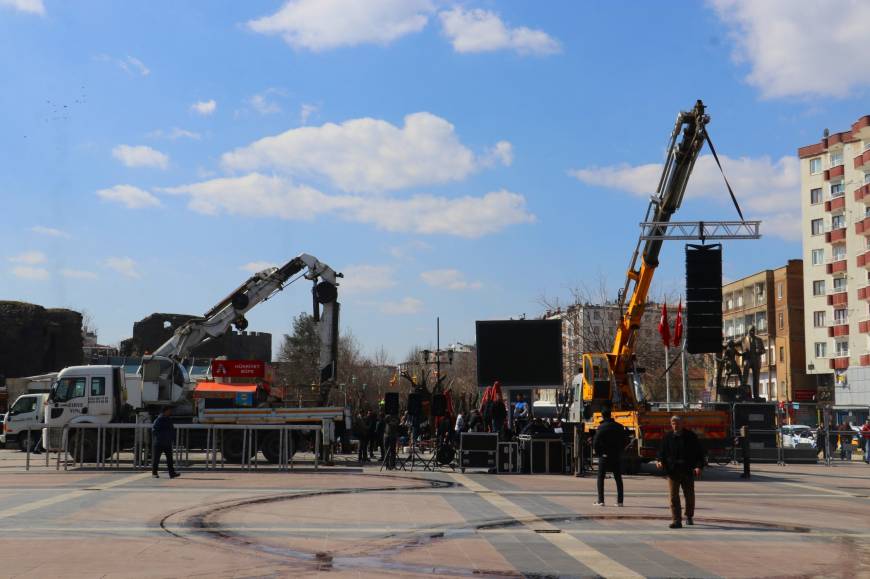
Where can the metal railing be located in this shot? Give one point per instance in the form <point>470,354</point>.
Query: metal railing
<point>104,449</point>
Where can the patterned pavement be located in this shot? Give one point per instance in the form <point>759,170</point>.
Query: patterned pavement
<point>792,521</point>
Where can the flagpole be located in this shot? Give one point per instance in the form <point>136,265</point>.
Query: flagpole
<point>685,376</point>
<point>667,380</point>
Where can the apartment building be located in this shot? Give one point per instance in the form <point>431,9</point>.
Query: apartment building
<point>772,302</point>
<point>835,200</point>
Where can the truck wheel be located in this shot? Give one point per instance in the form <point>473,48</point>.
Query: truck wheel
<point>232,447</point>
<point>22,441</point>
<point>88,446</point>
<point>271,446</point>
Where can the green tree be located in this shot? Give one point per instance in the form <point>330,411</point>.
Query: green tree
<point>300,352</point>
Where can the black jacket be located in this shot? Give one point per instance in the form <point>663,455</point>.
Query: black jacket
<point>610,439</point>
<point>162,431</point>
<point>680,454</point>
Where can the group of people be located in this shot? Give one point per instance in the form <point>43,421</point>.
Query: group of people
<point>681,457</point>
<point>843,435</point>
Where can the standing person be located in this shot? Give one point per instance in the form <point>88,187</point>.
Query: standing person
<point>372,421</point>
<point>865,438</point>
<point>162,437</point>
<point>379,432</point>
<point>499,413</point>
<point>846,434</point>
<point>361,431</point>
<point>609,443</point>
<point>682,457</point>
<point>459,428</point>
<point>391,435</point>
<point>521,414</point>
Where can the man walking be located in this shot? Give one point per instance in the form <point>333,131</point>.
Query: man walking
<point>162,437</point>
<point>609,443</point>
<point>846,433</point>
<point>865,439</point>
<point>682,457</point>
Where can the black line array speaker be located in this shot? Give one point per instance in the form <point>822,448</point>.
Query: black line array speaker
<point>439,405</point>
<point>703,299</point>
<point>415,404</point>
<point>391,403</point>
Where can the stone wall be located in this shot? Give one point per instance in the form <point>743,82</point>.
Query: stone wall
<point>35,340</point>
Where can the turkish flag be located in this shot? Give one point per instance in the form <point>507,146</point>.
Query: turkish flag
<point>678,325</point>
<point>664,327</point>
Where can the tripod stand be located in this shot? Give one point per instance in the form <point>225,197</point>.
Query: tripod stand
<point>389,461</point>
<point>414,456</point>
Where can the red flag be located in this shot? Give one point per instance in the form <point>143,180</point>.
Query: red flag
<point>678,325</point>
<point>664,327</point>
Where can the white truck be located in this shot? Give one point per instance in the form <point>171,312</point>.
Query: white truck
<point>104,395</point>
<point>25,418</point>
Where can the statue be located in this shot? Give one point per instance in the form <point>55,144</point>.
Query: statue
<point>753,348</point>
<point>728,371</point>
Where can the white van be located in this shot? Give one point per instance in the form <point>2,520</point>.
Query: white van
<point>26,415</point>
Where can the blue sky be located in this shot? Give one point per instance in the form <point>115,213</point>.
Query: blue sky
<point>453,159</point>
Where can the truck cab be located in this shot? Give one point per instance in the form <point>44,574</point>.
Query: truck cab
<point>26,415</point>
<point>91,394</point>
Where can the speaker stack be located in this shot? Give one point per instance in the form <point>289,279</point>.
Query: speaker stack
<point>391,403</point>
<point>703,320</point>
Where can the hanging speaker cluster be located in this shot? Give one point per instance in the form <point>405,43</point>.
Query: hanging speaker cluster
<point>703,299</point>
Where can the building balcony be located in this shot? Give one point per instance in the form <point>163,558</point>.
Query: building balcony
<point>862,226</point>
<point>862,161</point>
<point>839,361</point>
<point>863,260</point>
<point>864,326</point>
<point>838,296</point>
<point>836,204</point>
<point>834,172</point>
<point>838,329</point>
<point>838,266</point>
<point>864,293</point>
<point>863,193</point>
<point>864,360</point>
<point>836,235</point>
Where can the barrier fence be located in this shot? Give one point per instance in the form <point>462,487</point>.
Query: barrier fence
<point>105,446</point>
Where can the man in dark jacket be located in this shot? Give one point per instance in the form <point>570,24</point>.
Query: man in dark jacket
<point>682,457</point>
<point>609,443</point>
<point>162,437</point>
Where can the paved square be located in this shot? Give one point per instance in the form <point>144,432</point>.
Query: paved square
<point>791,521</point>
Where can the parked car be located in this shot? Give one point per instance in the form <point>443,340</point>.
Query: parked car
<point>798,436</point>
<point>3,430</point>
<point>27,415</point>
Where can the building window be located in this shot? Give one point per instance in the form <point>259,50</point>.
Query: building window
<point>739,297</point>
<point>781,354</point>
<point>818,256</point>
<point>816,196</point>
<point>838,252</point>
<point>815,165</point>
<point>821,349</point>
<point>841,316</point>
<point>780,321</point>
<point>836,158</point>
<point>819,319</point>
<point>838,221</point>
<point>866,177</point>
<point>819,287</point>
<point>842,349</point>
<point>779,291</point>
<point>837,190</point>
<point>840,283</point>
<point>729,299</point>
<point>817,226</point>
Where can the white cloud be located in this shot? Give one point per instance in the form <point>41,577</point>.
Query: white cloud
<point>324,24</point>
<point>306,111</point>
<point>479,30</point>
<point>173,134</point>
<point>29,272</point>
<point>30,6</point>
<point>766,189</point>
<point>428,215</point>
<point>126,266</point>
<point>403,307</point>
<point>366,155</point>
<point>367,278</point>
<point>204,108</point>
<point>257,195</point>
<point>132,64</point>
<point>140,156</point>
<point>28,258</point>
<point>256,266</point>
<point>50,231</point>
<point>451,279</point>
<point>502,152</point>
<point>407,250</point>
<point>132,197</point>
<point>78,274</point>
<point>799,48</point>
<point>264,102</point>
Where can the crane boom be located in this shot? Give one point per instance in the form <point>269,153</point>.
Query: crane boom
<point>685,144</point>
